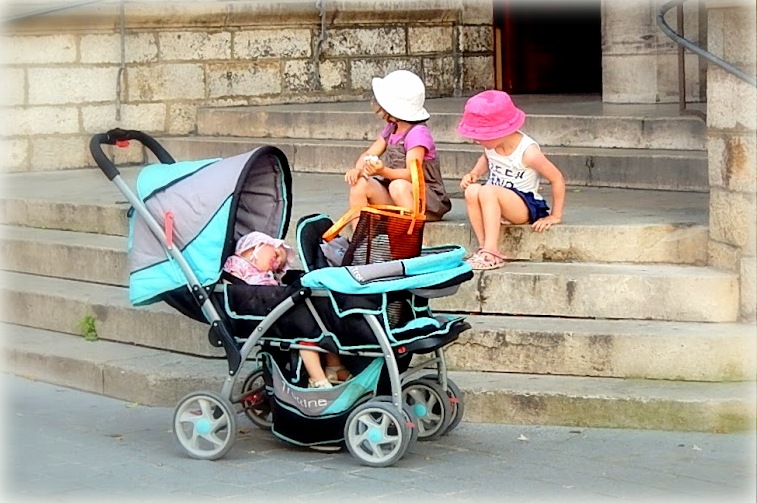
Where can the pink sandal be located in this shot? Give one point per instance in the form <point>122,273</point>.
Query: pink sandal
<point>485,260</point>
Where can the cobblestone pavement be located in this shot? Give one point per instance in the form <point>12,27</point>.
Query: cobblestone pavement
<point>65,445</point>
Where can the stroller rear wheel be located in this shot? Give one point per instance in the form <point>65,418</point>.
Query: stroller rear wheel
<point>255,401</point>
<point>431,406</point>
<point>455,395</point>
<point>377,433</point>
<point>205,425</point>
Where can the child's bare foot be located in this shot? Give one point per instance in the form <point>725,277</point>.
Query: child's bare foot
<point>484,260</point>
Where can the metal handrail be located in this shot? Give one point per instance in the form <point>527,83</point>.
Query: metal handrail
<point>750,79</point>
<point>47,10</point>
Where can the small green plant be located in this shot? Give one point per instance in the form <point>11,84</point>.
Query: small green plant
<point>87,328</point>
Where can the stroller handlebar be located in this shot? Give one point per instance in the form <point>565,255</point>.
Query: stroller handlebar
<point>115,137</point>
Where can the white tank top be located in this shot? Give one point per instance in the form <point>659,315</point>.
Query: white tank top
<point>509,171</point>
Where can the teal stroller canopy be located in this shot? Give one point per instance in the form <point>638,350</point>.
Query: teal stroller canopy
<point>205,206</point>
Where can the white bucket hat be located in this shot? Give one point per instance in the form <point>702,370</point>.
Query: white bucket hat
<point>402,94</point>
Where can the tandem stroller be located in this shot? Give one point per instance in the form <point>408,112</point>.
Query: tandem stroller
<point>184,222</point>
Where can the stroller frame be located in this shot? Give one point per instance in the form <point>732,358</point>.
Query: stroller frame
<point>213,415</point>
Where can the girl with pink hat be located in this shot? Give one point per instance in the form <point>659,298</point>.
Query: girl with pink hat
<point>398,99</point>
<point>515,165</point>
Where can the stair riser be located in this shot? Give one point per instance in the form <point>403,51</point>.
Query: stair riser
<point>99,219</point>
<point>512,407</point>
<point>612,296</point>
<point>639,171</point>
<point>127,380</point>
<point>668,355</point>
<point>552,130</point>
<point>162,329</point>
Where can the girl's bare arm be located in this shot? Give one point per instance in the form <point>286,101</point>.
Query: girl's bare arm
<point>534,158</point>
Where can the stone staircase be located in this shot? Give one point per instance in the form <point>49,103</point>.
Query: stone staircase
<point>608,320</point>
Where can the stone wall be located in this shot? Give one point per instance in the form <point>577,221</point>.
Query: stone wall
<point>639,62</point>
<point>732,146</point>
<point>74,73</point>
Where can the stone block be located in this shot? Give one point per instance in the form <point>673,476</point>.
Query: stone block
<point>382,41</point>
<point>439,75</point>
<point>628,25</point>
<point>476,12</point>
<point>279,44</point>
<point>364,70</point>
<point>667,78</point>
<point>732,216</point>
<point>36,50</point>
<point>15,154</point>
<point>476,38</point>
<point>101,49</point>
<point>629,78</point>
<point>333,75</point>
<point>732,161</point>
<point>14,86</point>
<point>424,40</point>
<point>55,152</point>
<point>730,34</point>
<point>182,119</point>
<point>748,273</point>
<point>53,86</point>
<point>193,46</point>
<point>299,75</point>
<point>39,120</point>
<point>724,256</point>
<point>731,102</point>
<point>165,82</point>
<point>478,73</point>
<point>256,78</point>
<point>148,117</point>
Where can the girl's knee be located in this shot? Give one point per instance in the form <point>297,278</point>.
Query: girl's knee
<point>472,192</point>
<point>400,188</point>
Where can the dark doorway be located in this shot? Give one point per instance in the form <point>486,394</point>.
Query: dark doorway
<point>548,47</point>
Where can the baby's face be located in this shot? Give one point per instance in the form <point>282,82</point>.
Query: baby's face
<point>267,257</point>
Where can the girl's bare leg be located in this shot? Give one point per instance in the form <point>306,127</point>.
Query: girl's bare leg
<point>473,205</point>
<point>312,362</point>
<point>401,192</point>
<point>368,191</point>
<point>496,203</point>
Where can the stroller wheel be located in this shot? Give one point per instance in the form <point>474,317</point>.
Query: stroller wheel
<point>431,406</point>
<point>255,401</point>
<point>377,433</point>
<point>205,425</point>
<point>455,395</point>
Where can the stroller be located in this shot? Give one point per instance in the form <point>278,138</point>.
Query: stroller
<point>184,222</point>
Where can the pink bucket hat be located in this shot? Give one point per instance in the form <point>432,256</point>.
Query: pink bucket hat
<point>256,238</point>
<point>490,115</point>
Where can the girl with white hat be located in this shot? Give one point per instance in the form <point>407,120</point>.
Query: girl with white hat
<point>382,173</point>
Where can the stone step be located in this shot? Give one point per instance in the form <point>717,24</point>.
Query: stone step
<point>548,123</point>
<point>161,378</point>
<point>62,305</point>
<point>581,166</point>
<point>591,290</point>
<point>600,225</point>
<point>498,343</point>
<point>583,290</point>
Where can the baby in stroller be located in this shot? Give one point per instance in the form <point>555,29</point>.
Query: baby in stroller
<point>186,221</point>
<point>260,259</point>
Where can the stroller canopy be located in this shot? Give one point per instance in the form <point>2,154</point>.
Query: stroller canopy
<point>212,204</point>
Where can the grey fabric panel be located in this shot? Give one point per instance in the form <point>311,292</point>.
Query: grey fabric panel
<point>372,272</point>
<point>262,200</point>
<point>312,402</point>
<point>435,293</point>
<point>193,201</point>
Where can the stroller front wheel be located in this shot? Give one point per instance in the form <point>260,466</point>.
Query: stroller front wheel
<point>205,425</point>
<point>377,433</point>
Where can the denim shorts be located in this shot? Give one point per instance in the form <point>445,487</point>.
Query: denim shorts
<point>537,208</point>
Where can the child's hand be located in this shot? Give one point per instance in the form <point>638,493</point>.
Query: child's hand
<point>372,165</point>
<point>353,175</point>
<point>467,180</point>
<point>545,223</point>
